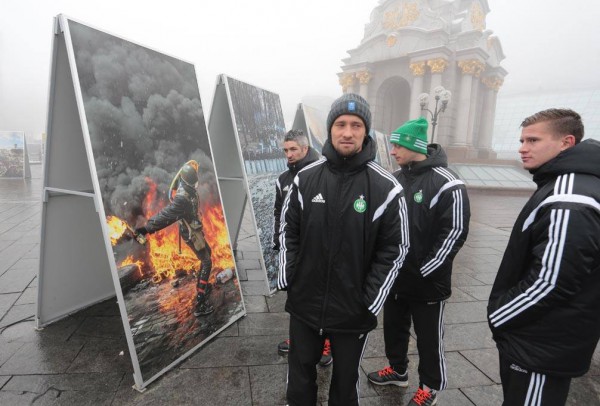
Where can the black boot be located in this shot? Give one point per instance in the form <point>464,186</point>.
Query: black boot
<point>203,308</point>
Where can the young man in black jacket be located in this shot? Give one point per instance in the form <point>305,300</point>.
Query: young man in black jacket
<point>438,209</point>
<point>344,235</point>
<point>544,307</point>
<point>298,154</point>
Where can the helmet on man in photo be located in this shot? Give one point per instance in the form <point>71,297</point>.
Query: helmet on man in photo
<point>189,173</point>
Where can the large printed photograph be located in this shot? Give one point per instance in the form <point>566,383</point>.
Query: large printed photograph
<point>160,195</point>
<point>260,130</point>
<point>12,154</point>
<point>317,128</point>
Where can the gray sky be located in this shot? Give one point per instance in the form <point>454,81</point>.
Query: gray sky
<point>289,47</point>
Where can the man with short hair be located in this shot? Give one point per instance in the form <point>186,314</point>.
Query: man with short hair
<point>343,239</point>
<point>438,216</point>
<point>298,154</point>
<point>544,307</point>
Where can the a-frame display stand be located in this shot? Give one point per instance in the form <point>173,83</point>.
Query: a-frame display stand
<point>231,146</point>
<point>228,162</point>
<point>75,272</point>
<point>77,261</point>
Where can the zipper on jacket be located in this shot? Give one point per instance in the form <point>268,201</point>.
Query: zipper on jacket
<point>331,252</point>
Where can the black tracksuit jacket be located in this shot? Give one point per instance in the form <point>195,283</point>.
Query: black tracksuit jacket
<point>283,184</point>
<point>344,235</point>
<point>439,214</point>
<point>544,308</point>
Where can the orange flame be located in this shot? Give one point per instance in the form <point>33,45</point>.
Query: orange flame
<point>163,246</point>
<point>129,260</point>
<point>116,228</point>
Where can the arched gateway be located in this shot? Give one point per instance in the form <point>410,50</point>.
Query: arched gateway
<point>411,47</point>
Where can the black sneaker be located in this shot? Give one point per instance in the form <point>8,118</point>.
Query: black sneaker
<point>203,309</point>
<point>284,346</point>
<point>387,376</point>
<point>424,397</point>
<point>326,358</point>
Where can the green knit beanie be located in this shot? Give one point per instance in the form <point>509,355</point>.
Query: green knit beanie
<point>412,135</point>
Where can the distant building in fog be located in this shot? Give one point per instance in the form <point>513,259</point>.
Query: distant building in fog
<point>411,47</point>
<point>511,110</point>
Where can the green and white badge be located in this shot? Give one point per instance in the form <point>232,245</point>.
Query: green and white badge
<point>360,205</point>
<point>418,196</point>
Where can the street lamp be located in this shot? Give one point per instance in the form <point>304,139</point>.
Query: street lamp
<point>442,95</point>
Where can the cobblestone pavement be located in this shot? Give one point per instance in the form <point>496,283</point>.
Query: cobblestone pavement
<point>84,359</point>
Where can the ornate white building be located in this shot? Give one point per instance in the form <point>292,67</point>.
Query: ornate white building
<point>411,47</point>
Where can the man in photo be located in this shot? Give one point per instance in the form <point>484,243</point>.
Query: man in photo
<point>438,217</point>
<point>184,209</point>
<point>344,236</point>
<point>544,307</point>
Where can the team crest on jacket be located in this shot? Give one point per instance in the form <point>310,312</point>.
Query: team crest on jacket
<point>418,196</point>
<point>360,205</point>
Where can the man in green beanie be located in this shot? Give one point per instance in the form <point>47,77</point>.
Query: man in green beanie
<point>438,216</point>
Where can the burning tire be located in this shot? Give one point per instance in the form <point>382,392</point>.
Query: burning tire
<point>129,276</point>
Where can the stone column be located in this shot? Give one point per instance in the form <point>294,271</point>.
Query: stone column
<point>364,77</point>
<point>418,70</point>
<point>469,68</point>
<point>347,82</point>
<point>493,84</point>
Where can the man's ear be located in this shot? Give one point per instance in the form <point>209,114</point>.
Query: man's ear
<point>568,142</point>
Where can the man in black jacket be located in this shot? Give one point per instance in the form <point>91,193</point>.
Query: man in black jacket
<point>344,235</point>
<point>298,154</point>
<point>438,208</point>
<point>184,209</point>
<point>544,307</point>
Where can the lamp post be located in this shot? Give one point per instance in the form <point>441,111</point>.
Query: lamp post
<point>442,95</point>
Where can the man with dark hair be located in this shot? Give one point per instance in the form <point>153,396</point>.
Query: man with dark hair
<point>439,213</point>
<point>544,307</point>
<point>184,210</point>
<point>344,236</point>
<point>298,154</point>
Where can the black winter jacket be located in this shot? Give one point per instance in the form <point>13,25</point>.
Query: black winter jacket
<point>344,235</point>
<point>544,308</point>
<point>283,184</point>
<point>439,213</point>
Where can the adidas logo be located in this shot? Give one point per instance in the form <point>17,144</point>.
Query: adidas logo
<point>285,189</point>
<point>518,368</point>
<point>318,199</point>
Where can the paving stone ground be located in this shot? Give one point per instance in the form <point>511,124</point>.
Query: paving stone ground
<point>83,359</point>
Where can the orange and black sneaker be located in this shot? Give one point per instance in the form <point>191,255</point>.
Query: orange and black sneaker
<point>424,397</point>
<point>326,358</point>
<point>388,376</point>
<point>284,346</point>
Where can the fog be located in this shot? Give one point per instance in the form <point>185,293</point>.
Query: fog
<point>292,48</point>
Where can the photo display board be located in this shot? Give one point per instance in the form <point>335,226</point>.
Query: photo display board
<point>249,119</point>
<point>383,151</point>
<point>13,157</point>
<point>314,123</point>
<point>151,166</point>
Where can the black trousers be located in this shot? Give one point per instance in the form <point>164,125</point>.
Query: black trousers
<point>522,387</point>
<point>306,347</point>
<point>428,319</point>
<point>204,255</point>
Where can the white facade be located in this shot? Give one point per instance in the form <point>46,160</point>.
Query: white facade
<point>411,47</point>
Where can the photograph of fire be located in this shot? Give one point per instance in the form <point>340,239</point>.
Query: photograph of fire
<point>12,154</point>
<point>260,130</point>
<point>160,195</point>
